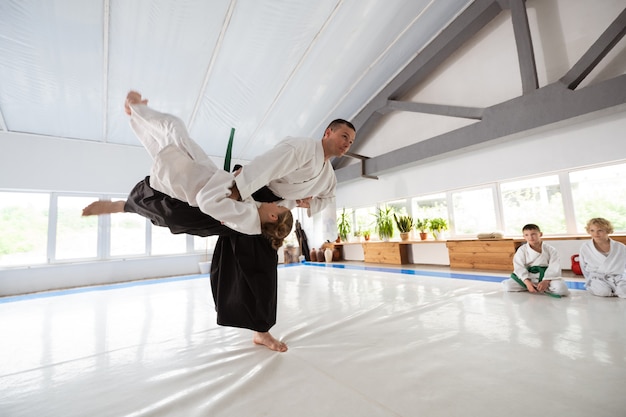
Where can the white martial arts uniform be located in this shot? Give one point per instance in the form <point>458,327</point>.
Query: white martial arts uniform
<point>181,169</point>
<point>605,275</point>
<point>293,169</point>
<point>525,257</point>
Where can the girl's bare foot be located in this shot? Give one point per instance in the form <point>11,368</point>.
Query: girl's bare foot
<point>133,97</point>
<point>266,339</point>
<point>104,207</point>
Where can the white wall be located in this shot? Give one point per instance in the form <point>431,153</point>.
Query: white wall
<point>29,162</point>
<point>577,144</point>
<point>44,278</point>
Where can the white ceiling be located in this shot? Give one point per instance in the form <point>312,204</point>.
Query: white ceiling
<point>269,68</point>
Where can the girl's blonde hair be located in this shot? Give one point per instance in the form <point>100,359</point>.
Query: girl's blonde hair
<point>277,232</point>
<point>600,222</point>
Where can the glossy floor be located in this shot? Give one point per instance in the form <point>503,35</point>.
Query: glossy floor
<point>362,342</point>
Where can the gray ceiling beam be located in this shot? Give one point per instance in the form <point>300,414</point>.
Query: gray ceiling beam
<point>543,107</point>
<point>609,38</point>
<point>464,27</point>
<point>524,43</point>
<point>439,109</point>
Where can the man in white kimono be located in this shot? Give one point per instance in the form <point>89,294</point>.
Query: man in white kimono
<point>603,261</point>
<point>536,266</point>
<point>297,172</point>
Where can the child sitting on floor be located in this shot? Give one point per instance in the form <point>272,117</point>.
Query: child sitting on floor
<point>536,266</point>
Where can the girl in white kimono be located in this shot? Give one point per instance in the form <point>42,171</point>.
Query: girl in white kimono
<point>536,266</point>
<point>603,261</point>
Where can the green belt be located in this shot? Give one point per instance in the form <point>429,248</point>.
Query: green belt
<point>541,270</point>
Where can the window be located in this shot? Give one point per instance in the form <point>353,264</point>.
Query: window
<point>205,245</point>
<point>24,225</point>
<point>128,234</point>
<point>165,243</point>
<point>76,236</point>
<point>474,211</point>
<point>430,206</point>
<point>365,218</point>
<point>536,200</point>
<point>400,207</point>
<point>600,192</point>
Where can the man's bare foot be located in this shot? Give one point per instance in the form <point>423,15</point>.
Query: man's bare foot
<point>268,340</point>
<point>104,207</point>
<point>133,97</point>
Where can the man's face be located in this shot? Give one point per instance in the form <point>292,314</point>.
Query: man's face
<point>338,141</point>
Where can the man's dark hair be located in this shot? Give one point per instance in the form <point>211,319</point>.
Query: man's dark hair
<point>340,122</point>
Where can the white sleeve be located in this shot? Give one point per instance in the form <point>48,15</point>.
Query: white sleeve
<point>584,258</point>
<point>213,199</point>
<point>201,185</point>
<point>519,263</point>
<point>273,164</point>
<point>554,263</point>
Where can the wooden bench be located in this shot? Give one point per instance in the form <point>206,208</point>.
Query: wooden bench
<point>489,254</point>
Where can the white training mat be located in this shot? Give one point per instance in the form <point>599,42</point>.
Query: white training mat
<point>362,342</point>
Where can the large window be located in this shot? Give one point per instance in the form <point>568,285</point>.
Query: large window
<point>365,218</point>
<point>536,200</point>
<point>128,234</point>
<point>24,228</point>
<point>165,243</point>
<point>474,211</point>
<point>430,206</point>
<point>600,192</point>
<point>76,236</point>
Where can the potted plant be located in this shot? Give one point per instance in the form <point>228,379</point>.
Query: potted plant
<point>438,225</point>
<point>384,223</point>
<point>343,225</point>
<point>366,234</point>
<point>423,225</point>
<point>404,224</point>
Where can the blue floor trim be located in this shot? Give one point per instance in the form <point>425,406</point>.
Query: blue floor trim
<point>474,277</point>
<point>108,287</point>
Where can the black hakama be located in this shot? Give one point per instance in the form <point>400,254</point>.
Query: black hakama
<point>243,268</point>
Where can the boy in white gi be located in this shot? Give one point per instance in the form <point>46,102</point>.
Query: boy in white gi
<point>536,266</point>
<point>603,261</point>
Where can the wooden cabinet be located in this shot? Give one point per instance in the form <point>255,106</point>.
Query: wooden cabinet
<point>386,252</point>
<point>496,254</point>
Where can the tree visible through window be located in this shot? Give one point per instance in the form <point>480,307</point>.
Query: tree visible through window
<point>24,226</point>
<point>536,200</point>
<point>600,192</point>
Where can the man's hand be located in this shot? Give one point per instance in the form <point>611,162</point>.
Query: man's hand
<point>234,193</point>
<point>304,203</point>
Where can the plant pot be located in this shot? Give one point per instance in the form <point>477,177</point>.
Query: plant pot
<point>423,235</point>
<point>404,236</point>
<point>438,234</point>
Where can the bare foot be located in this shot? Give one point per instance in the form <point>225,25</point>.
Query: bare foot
<point>104,207</point>
<point>133,97</point>
<point>268,340</point>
